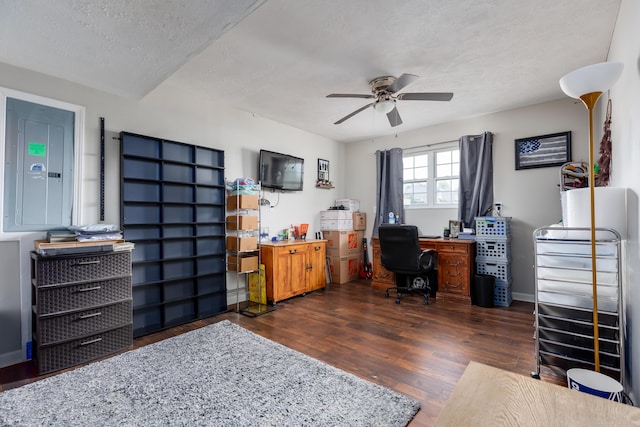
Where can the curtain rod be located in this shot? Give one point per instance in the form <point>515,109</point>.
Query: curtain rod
<point>441,142</point>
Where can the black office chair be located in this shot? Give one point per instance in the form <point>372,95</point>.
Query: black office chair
<point>401,254</point>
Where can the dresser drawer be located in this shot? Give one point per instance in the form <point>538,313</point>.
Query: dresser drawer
<point>59,270</point>
<point>55,357</point>
<point>81,323</point>
<point>454,285</point>
<point>59,299</point>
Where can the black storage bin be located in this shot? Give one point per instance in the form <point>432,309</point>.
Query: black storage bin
<point>483,286</point>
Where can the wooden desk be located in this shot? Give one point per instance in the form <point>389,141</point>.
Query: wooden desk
<point>456,268</point>
<point>486,396</point>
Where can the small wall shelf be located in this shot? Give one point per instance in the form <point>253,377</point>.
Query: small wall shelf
<point>324,184</point>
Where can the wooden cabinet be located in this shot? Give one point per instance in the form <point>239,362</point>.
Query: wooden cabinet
<point>293,268</point>
<point>456,268</point>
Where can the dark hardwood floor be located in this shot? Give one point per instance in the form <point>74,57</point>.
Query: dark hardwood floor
<point>419,350</point>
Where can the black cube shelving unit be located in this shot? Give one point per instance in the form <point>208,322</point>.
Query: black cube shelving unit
<point>173,209</point>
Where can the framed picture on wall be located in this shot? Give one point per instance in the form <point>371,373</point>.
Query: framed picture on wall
<point>323,170</point>
<point>543,151</point>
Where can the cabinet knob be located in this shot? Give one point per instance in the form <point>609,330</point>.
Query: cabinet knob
<point>293,251</point>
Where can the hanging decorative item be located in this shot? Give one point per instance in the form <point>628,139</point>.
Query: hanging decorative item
<point>323,174</point>
<point>604,162</point>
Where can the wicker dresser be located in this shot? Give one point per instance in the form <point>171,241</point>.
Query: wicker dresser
<point>82,307</point>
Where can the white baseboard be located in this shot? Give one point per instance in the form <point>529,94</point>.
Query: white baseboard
<point>11,358</point>
<point>523,297</point>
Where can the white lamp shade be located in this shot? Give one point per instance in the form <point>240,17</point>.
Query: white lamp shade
<point>384,106</point>
<point>592,78</point>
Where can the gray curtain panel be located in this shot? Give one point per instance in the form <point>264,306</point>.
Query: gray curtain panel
<point>389,186</point>
<point>476,177</point>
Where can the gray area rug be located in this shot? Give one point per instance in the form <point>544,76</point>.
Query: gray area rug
<point>219,375</point>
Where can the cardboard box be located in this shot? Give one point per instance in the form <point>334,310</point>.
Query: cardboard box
<point>242,243</point>
<point>359,221</point>
<point>345,269</point>
<point>336,224</point>
<point>242,263</point>
<point>336,214</point>
<point>341,243</point>
<point>242,201</point>
<point>242,222</point>
<point>349,204</point>
<point>257,284</point>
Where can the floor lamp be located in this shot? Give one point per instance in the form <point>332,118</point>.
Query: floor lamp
<point>587,84</point>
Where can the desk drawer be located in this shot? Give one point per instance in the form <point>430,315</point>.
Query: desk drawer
<point>60,299</point>
<point>56,357</point>
<point>81,323</point>
<point>59,270</point>
<point>456,248</point>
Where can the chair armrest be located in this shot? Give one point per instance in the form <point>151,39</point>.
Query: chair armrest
<point>426,260</point>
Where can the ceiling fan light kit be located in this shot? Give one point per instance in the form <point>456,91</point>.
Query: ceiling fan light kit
<point>384,105</point>
<point>384,91</point>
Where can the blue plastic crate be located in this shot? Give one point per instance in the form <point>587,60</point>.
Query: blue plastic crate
<point>493,226</point>
<point>493,248</point>
<point>499,268</point>
<point>502,295</point>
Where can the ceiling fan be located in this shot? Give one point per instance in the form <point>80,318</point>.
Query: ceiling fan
<point>384,89</point>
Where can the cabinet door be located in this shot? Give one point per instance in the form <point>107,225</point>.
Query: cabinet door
<point>290,264</point>
<point>316,270</point>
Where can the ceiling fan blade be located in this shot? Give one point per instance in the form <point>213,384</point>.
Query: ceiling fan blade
<point>426,96</point>
<point>401,82</point>
<point>350,95</point>
<point>394,117</point>
<point>348,116</point>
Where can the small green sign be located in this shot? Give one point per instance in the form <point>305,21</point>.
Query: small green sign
<point>37,149</point>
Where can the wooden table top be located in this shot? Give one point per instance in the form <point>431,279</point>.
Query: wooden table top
<point>486,396</point>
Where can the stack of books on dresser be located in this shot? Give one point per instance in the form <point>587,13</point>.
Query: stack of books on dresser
<point>82,239</point>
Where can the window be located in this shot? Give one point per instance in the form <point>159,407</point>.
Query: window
<point>431,177</point>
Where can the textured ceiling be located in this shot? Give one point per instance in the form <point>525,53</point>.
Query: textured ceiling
<point>124,47</point>
<point>283,57</point>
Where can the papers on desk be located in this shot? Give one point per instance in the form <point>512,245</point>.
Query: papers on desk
<point>467,234</point>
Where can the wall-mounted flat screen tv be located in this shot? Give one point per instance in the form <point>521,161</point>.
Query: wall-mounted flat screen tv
<point>281,171</point>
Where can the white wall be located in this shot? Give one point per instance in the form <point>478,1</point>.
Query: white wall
<point>186,117</point>
<point>531,197</point>
<point>625,166</point>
